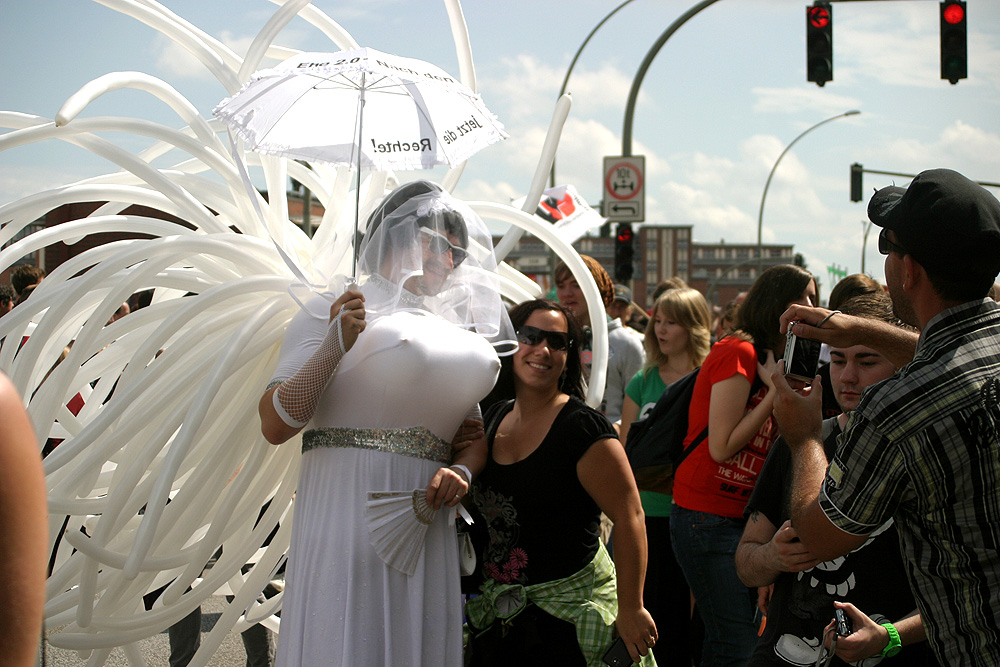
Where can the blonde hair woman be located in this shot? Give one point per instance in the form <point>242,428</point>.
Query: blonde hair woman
<point>676,342</point>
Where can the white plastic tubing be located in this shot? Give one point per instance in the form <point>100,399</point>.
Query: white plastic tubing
<point>164,463</point>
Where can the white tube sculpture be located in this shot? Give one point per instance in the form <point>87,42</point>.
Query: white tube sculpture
<point>165,464</point>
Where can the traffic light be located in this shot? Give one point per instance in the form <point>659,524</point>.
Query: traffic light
<point>624,253</point>
<point>819,43</point>
<point>856,174</point>
<point>954,54</point>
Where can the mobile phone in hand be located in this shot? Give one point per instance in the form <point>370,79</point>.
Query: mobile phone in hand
<point>618,655</point>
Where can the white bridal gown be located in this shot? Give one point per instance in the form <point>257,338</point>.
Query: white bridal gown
<point>343,605</point>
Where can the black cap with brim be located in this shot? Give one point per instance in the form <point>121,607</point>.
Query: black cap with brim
<point>949,224</point>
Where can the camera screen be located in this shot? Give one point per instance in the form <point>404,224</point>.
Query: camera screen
<point>801,357</point>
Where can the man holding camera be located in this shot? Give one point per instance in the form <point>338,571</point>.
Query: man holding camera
<point>798,593</point>
<point>923,446</point>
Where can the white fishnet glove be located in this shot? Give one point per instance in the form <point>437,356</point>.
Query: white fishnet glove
<point>296,398</point>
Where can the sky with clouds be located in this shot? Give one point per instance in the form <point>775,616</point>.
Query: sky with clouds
<point>722,99</point>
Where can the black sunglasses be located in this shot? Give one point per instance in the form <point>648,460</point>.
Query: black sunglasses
<point>439,245</point>
<point>557,340</point>
<point>885,246</point>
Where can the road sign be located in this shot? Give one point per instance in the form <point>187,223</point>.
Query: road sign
<point>624,191</point>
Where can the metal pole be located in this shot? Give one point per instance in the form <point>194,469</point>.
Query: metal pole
<point>864,242</point>
<point>307,211</point>
<point>552,173</point>
<point>633,94</point>
<point>760,215</point>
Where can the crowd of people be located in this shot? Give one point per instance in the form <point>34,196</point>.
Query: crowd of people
<point>868,493</point>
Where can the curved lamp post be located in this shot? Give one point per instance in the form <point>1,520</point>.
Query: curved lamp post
<point>552,173</point>
<point>760,215</point>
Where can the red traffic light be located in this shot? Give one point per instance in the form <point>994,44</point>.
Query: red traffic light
<point>953,13</point>
<point>625,234</point>
<point>819,17</point>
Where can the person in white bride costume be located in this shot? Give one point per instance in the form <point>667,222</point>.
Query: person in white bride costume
<point>387,380</point>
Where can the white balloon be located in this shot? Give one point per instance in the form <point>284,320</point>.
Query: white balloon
<point>164,464</point>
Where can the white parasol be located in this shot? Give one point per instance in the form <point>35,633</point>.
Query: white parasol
<point>362,109</point>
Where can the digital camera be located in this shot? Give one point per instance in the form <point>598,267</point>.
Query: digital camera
<point>801,356</point>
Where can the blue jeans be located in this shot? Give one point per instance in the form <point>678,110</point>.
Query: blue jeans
<point>705,547</point>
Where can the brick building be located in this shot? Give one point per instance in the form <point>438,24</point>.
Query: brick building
<point>719,270</point>
<point>722,270</point>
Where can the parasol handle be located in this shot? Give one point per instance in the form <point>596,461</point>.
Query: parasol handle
<point>357,182</point>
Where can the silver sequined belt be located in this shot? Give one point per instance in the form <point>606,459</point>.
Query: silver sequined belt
<point>416,441</point>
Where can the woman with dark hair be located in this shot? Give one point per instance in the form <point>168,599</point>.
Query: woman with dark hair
<point>732,403</point>
<point>550,595</point>
<point>384,379</point>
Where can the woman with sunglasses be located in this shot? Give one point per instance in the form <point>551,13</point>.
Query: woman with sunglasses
<point>385,382</point>
<point>550,595</point>
<point>676,342</point>
<point>732,403</point>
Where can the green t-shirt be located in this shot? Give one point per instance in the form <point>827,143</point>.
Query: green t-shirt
<point>645,388</point>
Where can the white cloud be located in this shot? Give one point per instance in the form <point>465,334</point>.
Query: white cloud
<point>687,205</point>
<point>978,150</point>
<point>796,100</point>
<point>897,45</point>
<point>22,181</point>
<point>482,190</point>
<point>173,61</point>
<point>525,87</point>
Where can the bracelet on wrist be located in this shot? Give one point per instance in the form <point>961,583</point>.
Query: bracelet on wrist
<point>894,646</point>
<point>464,470</point>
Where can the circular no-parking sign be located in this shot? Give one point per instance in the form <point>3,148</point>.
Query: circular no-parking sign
<point>623,181</point>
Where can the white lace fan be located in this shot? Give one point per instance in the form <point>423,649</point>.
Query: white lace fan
<point>397,524</point>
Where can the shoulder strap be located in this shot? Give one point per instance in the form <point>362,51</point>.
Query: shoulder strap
<point>690,448</point>
<point>496,413</point>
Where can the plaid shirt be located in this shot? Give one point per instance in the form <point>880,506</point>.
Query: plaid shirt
<point>588,599</point>
<point>922,447</point>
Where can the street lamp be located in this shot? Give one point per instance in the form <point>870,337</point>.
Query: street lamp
<point>760,215</point>
<point>552,172</point>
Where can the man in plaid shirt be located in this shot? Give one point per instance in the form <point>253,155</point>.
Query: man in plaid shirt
<point>922,447</point>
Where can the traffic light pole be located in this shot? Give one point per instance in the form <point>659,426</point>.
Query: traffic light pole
<point>985,184</point>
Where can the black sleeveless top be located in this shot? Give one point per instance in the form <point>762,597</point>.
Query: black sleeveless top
<point>542,523</point>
